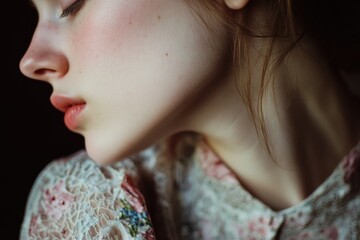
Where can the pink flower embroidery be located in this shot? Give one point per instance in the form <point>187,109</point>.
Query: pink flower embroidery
<point>214,167</point>
<point>331,233</point>
<point>57,200</point>
<point>351,168</point>
<point>260,227</point>
<point>133,195</point>
<point>149,234</point>
<point>55,203</point>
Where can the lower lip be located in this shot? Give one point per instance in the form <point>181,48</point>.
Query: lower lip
<point>72,114</point>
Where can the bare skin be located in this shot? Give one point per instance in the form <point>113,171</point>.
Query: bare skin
<point>311,126</point>
<point>155,71</point>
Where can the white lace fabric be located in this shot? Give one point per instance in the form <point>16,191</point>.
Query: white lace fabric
<point>190,196</point>
<point>74,198</point>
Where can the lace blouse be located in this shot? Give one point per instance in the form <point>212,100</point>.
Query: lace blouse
<point>193,196</point>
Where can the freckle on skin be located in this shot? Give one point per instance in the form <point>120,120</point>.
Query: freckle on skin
<point>159,17</point>
<point>130,22</point>
<point>166,54</point>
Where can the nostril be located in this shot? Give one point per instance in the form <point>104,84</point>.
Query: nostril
<point>43,71</point>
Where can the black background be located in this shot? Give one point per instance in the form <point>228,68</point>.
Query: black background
<point>33,132</point>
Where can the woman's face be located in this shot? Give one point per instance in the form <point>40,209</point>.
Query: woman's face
<point>126,73</point>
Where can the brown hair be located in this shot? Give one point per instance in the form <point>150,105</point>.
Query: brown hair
<point>291,20</point>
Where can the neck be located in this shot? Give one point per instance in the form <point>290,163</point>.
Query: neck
<point>311,124</point>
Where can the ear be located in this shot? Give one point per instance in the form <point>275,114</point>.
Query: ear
<point>236,4</point>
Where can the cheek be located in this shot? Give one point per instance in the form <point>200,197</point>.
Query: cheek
<point>127,42</point>
<point>140,52</point>
<point>109,27</point>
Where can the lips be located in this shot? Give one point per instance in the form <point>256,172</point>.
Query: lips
<point>72,107</point>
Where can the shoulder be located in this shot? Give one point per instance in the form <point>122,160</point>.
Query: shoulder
<point>79,167</point>
<point>73,197</point>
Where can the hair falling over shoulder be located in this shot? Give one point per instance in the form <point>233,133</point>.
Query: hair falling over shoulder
<point>333,26</point>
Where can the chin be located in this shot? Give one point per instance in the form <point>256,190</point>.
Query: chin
<point>102,154</point>
<point>109,151</point>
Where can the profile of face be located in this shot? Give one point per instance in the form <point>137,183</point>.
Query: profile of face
<point>126,73</point>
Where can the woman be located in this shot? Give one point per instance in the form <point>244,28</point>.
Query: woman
<point>202,120</point>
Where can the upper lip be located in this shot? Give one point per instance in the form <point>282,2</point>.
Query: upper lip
<point>63,103</point>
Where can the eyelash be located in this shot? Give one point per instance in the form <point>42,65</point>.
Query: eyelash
<point>72,9</point>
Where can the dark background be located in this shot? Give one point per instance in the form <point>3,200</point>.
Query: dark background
<point>33,132</point>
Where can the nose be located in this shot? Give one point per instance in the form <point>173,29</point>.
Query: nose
<point>43,59</point>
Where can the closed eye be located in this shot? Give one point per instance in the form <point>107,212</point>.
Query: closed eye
<point>72,9</point>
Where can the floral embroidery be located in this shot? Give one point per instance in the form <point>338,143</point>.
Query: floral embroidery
<point>133,195</point>
<point>232,213</point>
<point>77,199</point>
<point>214,167</point>
<point>57,200</point>
<point>149,234</point>
<point>133,219</point>
<point>331,233</point>
<point>132,208</point>
<point>260,227</point>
